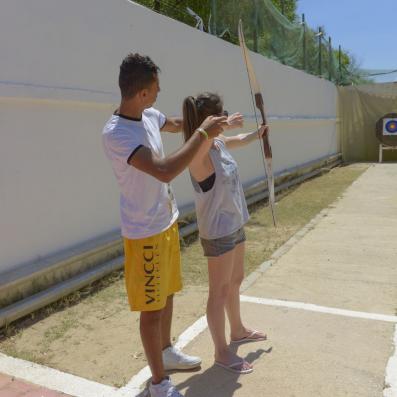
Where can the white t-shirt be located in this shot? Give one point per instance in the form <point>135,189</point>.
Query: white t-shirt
<point>147,205</point>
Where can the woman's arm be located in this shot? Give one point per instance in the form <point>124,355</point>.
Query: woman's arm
<point>233,142</point>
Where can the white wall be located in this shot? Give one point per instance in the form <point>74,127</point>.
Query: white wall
<point>58,85</point>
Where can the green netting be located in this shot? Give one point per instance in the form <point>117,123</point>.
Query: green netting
<point>267,31</point>
<point>360,107</point>
<point>272,34</point>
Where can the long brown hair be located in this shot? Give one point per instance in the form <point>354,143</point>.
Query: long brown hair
<point>197,109</point>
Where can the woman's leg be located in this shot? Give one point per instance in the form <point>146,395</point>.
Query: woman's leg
<point>219,272</point>
<point>237,329</point>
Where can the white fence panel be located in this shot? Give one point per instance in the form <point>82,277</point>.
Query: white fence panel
<point>58,85</point>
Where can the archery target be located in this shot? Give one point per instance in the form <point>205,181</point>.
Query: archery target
<point>386,129</point>
<point>390,127</point>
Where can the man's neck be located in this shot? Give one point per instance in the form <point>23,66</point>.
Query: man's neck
<point>129,110</point>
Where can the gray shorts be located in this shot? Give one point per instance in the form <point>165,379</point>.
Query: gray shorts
<point>219,246</point>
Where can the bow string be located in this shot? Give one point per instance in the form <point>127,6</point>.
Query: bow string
<point>257,100</point>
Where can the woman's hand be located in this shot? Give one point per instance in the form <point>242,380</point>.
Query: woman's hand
<point>235,121</point>
<point>264,129</point>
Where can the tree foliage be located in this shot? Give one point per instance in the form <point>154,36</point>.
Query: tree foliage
<point>287,8</point>
<point>283,39</point>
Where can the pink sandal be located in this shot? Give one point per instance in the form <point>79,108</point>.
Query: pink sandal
<point>250,338</point>
<point>236,368</point>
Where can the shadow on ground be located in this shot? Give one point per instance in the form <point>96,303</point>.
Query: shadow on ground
<point>215,381</point>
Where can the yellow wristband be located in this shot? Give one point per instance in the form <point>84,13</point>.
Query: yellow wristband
<point>203,132</point>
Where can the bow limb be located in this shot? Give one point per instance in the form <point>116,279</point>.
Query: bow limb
<point>256,93</point>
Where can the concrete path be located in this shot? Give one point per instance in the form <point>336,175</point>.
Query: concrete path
<point>328,304</point>
<point>348,261</point>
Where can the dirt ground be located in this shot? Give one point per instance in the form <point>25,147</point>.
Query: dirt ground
<point>93,334</point>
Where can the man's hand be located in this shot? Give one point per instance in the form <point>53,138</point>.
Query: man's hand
<point>214,125</point>
<point>235,120</point>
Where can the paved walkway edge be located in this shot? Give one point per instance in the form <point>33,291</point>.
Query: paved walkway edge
<point>54,379</point>
<point>391,371</point>
<point>136,383</point>
<point>80,387</point>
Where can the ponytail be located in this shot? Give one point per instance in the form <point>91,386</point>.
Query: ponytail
<point>190,117</point>
<point>195,110</point>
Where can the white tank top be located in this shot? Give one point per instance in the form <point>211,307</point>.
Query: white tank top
<point>222,210</point>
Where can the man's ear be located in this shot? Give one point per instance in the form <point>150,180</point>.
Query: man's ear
<point>144,93</point>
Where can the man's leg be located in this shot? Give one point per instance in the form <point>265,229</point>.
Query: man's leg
<point>166,320</point>
<point>150,328</point>
<point>147,266</point>
<point>173,358</point>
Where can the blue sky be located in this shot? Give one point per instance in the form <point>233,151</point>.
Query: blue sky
<point>365,28</point>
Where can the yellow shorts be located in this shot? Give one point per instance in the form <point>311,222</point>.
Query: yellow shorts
<point>152,269</point>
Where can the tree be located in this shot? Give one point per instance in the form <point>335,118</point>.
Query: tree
<point>157,5</point>
<point>350,70</point>
<point>266,32</point>
<point>287,8</point>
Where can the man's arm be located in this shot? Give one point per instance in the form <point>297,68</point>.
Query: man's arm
<point>172,124</point>
<point>167,168</point>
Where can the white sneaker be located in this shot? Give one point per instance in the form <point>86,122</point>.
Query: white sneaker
<point>164,389</point>
<point>175,359</point>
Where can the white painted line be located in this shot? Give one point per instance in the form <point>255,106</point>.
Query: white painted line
<point>192,332</point>
<point>66,383</point>
<point>391,372</point>
<point>79,387</point>
<point>53,379</point>
<point>319,309</point>
<point>133,387</point>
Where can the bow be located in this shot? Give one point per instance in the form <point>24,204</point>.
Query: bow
<point>256,93</point>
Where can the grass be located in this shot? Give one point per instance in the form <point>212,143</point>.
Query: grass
<point>295,208</point>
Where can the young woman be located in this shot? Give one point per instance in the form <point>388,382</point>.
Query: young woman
<point>221,214</point>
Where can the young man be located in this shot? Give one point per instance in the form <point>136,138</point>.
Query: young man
<point>132,142</point>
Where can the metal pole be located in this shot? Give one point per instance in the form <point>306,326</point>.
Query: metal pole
<point>320,33</point>
<point>304,42</point>
<point>340,63</point>
<point>329,58</point>
<point>255,32</point>
<point>213,8</point>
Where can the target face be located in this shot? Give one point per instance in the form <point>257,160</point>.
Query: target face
<point>390,127</point>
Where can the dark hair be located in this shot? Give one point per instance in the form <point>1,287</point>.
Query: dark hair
<point>136,73</point>
<point>196,110</point>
